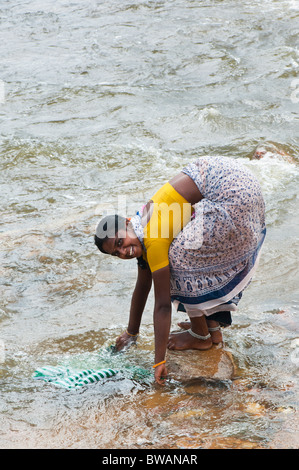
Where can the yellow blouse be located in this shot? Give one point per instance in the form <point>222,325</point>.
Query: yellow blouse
<point>169,214</point>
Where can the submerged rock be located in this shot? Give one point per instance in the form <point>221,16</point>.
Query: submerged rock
<point>215,442</point>
<point>215,363</point>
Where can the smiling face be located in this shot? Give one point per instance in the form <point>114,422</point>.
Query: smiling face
<point>125,245</point>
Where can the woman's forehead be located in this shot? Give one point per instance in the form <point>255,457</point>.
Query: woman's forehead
<point>109,245</point>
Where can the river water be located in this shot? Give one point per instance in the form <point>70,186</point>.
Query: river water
<point>100,103</point>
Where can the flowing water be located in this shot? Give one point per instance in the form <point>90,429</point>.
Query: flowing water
<point>100,103</point>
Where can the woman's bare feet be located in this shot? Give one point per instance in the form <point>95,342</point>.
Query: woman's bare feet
<point>215,331</point>
<point>196,337</point>
<point>216,334</point>
<point>184,340</point>
<point>185,325</point>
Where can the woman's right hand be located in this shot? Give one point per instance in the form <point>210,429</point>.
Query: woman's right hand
<point>125,340</point>
<point>160,374</point>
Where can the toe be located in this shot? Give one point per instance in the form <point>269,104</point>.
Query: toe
<point>185,325</point>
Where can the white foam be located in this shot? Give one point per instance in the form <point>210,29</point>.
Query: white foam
<point>272,171</point>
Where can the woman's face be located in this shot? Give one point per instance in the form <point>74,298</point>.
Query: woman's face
<point>125,245</point>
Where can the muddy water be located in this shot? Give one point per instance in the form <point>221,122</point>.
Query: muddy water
<point>100,103</point>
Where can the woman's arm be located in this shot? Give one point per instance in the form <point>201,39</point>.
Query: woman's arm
<point>162,319</point>
<point>139,298</point>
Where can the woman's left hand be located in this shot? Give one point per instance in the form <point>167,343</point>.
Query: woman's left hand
<point>124,340</point>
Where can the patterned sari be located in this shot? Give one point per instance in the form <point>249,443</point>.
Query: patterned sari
<point>215,256</point>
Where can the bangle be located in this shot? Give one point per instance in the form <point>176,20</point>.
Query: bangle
<point>159,363</point>
<point>131,334</point>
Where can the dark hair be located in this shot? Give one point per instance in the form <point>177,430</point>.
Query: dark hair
<point>107,228</point>
<point>142,263</point>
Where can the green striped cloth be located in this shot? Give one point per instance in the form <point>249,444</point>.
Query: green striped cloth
<point>89,369</point>
<point>68,378</point>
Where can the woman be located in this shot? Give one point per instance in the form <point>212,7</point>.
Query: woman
<point>198,239</point>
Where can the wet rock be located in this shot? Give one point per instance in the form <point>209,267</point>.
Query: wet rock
<point>215,363</point>
<point>215,442</point>
<point>232,443</point>
<point>254,409</point>
<point>272,151</point>
<point>187,414</point>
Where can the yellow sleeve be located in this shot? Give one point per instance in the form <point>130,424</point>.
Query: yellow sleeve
<point>169,215</point>
<point>157,253</point>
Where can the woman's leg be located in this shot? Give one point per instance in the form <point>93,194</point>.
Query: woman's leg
<point>196,337</point>
<point>213,328</point>
<point>214,322</point>
<point>215,331</point>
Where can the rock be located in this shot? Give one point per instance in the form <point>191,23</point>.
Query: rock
<point>254,409</point>
<point>232,443</point>
<point>186,414</point>
<point>215,363</point>
<point>215,442</point>
<point>272,151</point>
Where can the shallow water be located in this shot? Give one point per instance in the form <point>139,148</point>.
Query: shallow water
<point>100,103</point>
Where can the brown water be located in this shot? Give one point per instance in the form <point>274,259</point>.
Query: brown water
<point>100,103</point>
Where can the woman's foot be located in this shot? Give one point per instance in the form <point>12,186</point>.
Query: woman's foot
<point>185,325</point>
<point>185,340</point>
<point>216,334</point>
<point>215,331</point>
<point>196,337</point>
